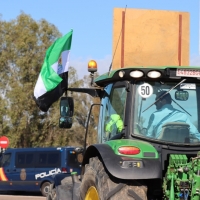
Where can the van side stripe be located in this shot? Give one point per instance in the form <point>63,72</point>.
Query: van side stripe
<point>2,175</point>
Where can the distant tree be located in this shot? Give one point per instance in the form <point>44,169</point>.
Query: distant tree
<point>24,42</point>
<point>22,51</point>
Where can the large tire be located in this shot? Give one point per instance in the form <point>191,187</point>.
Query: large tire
<point>65,190</point>
<point>97,179</point>
<point>61,192</point>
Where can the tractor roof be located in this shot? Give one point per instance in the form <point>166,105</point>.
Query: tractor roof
<point>166,72</point>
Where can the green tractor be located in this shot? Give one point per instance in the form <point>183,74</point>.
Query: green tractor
<point>148,136</point>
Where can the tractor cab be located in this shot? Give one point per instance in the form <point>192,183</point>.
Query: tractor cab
<point>152,105</point>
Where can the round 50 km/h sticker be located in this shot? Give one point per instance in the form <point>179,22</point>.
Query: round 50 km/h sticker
<point>145,90</point>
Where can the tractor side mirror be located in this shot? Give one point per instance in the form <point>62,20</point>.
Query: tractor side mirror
<point>181,95</point>
<point>66,112</point>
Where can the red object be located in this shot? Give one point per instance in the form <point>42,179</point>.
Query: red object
<point>4,142</point>
<point>64,170</point>
<point>129,150</point>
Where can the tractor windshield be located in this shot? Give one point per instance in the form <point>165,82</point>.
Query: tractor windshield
<point>167,111</point>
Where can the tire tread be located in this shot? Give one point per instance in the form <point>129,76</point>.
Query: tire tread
<point>96,175</point>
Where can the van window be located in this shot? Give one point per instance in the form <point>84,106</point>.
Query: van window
<point>5,160</point>
<point>48,159</point>
<point>24,160</point>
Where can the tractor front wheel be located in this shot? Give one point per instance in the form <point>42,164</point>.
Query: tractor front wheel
<point>98,185</point>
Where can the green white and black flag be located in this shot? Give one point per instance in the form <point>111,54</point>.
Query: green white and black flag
<point>53,78</point>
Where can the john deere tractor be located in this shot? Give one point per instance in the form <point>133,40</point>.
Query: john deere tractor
<point>140,154</point>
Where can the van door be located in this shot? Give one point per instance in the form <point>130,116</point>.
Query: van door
<point>5,171</point>
<point>22,172</point>
<point>48,163</point>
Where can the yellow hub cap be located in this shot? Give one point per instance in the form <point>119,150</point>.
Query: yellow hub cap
<point>92,194</point>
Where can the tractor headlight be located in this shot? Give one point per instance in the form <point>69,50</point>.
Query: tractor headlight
<point>136,74</point>
<point>121,73</point>
<point>154,74</point>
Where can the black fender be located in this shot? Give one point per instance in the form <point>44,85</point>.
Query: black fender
<point>123,167</point>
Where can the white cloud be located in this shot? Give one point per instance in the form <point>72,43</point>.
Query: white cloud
<point>81,65</point>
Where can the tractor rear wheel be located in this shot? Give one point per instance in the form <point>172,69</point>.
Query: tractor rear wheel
<point>98,185</point>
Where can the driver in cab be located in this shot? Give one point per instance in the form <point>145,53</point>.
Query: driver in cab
<point>166,113</point>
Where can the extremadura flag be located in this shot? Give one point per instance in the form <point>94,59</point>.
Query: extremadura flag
<point>53,78</point>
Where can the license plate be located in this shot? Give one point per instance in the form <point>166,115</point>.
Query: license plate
<point>188,72</point>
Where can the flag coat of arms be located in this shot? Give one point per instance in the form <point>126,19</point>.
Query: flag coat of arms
<point>53,78</point>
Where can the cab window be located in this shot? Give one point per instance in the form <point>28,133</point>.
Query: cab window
<point>173,118</point>
<point>113,115</point>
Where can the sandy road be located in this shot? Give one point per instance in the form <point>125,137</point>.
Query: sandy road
<point>20,197</point>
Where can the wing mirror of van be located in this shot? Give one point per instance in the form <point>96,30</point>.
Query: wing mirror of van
<point>181,95</point>
<point>66,112</point>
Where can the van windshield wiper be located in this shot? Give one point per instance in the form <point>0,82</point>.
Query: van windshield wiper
<point>167,93</point>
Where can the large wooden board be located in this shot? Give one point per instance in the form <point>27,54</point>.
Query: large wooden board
<point>150,38</point>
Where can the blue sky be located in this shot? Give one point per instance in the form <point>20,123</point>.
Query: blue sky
<point>91,22</point>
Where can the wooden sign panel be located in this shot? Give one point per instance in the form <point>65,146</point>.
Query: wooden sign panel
<point>150,38</point>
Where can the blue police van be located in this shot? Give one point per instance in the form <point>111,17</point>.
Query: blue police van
<point>31,169</point>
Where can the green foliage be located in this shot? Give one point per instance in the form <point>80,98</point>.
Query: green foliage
<point>21,56</point>
<point>24,42</point>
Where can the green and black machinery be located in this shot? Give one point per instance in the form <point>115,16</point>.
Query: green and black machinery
<point>127,162</point>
